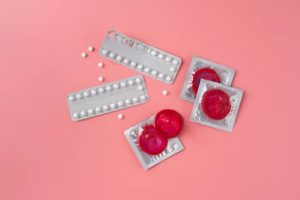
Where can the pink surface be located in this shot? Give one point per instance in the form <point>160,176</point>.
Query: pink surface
<point>44,155</point>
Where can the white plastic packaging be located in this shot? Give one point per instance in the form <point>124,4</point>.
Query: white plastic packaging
<point>225,124</point>
<point>147,161</point>
<point>141,57</point>
<point>107,98</point>
<point>225,74</point>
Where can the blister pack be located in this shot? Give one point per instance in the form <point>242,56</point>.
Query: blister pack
<point>141,57</point>
<point>107,98</point>
<point>200,67</point>
<point>147,161</point>
<point>216,105</point>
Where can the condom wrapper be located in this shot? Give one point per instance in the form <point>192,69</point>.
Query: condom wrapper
<point>226,123</point>
<point>225,74</point>
<point>106,98</point>
<point>147,161</point>
<point>141,57</point>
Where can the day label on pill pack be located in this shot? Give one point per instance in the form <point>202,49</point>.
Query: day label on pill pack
<point>147,161</point>
<point>107,98</point>
<point>141,57</point>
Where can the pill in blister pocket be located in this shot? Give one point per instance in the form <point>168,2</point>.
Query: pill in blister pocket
<point>107,98</point>
<point>141,57</point>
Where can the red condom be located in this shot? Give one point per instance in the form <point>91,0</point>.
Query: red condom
<point>152,141</point>
<point>168,122</point>
<point>216,104</point>
<point>205,73</point>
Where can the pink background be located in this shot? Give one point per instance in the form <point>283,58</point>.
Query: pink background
<point>44,155</point>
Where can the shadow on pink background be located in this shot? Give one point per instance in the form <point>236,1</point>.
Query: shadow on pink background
<point>44,155</point>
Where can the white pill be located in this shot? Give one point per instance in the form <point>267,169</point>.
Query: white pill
<point>104,52</point>
<point>127,101</point>
<point>133,64</point>
<point>112,55</point>
<point>142,97</point>
<point>138,80</point>
<point>161,56</point>
<point>105,108</point>
<point>120,103</point>
<point>98,109</point>
<point>108,88</point>
<point>71,98</point>
<point>90,111</point>
<point>168,59</point>
<point>123,84</point>
<point>94,92</point>
<point>78,96</point>
<point>175,62</point>
<point>172,69</point>
<point>168,78</point>
<point>147,70</point>
<point>90,48</point>
<point>130,82</point>
<point>83,55</point>
<point>83,113</point>
<point>153,53</point>
<point>140,66</point>
<point>101,78</point>
<point>119,58</point>
<point>134,99</point>
<point>116,86</point>
<point>100,90</point>
<point>75,115</point>
<point>161,75</point>
<point>154,72</point>
<point>165,92</point>
<point>126,60</point>
<point>100,65</point>
<point>140,87</point>
<point>86,94</point>
<point>120,116</point>
<point>112,106</point>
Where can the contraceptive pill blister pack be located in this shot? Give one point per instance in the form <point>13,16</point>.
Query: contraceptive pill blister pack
<point>225,124</point>
<point>147,161</point>
<point>225,74</point>
<point>107,98</point>
<point>141,57</point>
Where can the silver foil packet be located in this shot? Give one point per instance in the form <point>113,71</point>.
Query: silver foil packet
<point>140,57</point>
<point>147,161</point>
<point>107,98</point>
<point>225,74</point>
<point>225,124</point>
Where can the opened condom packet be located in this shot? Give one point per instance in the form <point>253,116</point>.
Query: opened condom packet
<point>225,75</point>
<point>147,161</point>
<point>107,98</point>
<point>141,57</point>
<point>200,116</point>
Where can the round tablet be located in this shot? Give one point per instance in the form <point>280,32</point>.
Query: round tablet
<point>168,122</point>
<point>216,104</point>
<point>165,92</point>
<point>152,141</point>
<point>205,73</point>
<point>120,116</point>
